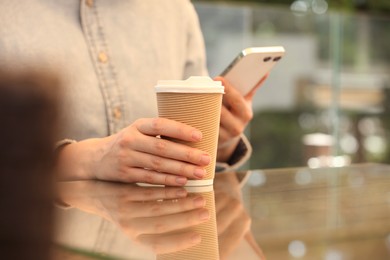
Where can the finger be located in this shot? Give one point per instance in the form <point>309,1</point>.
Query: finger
<point>155,193</point>
<point>233,125</point>
<point>165,165</point>
<point>170,128</point>
<point>142,175</point>
<point>251,93</point>
<point>252,243</point>
<point>168,223</point>
<point>167,207</point>
<point>230,239</point>
<point>224,136</point>
<point>168,243</point>
<point>236,103</point>
<point>227,215</point>
<point>169,149</point>
<point>232,99</point>
<point>241,110</point>
<point>238,227</point>
<point>133,192</point>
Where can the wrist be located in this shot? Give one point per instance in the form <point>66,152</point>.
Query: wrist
<point>78,195</point>
<point>74,161</point>
<point>226,150</point>
<point>240,155</point>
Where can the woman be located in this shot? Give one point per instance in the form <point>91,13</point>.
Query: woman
<point>110,55</point>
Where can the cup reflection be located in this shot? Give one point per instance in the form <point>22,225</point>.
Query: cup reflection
<point>208,222</point>
<point>208,247</point>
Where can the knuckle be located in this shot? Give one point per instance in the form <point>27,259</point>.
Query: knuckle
<point>168,180</point>
<point>126,141</point>
<point>248,115</point>
<point>157,124</point>
<point>222,139</point>
<point>189,155</point>
<point>160,145</point>
<point>183,169</point>
<point>123,143</point>
<point>123,223</point>
<point>123,199</point>
<point>236,206</point>
<point>156,164</point>
<point>121,157</point>
<point>236,131</point>
<point>155,209</point>
<point>120,171</point>
<point>148,177</point>
<point>147,194</point>
<point>246,221</point>
<point>129,227</point>
<point>160,228</point>
<point>249,221</point>
<point>122,174</point>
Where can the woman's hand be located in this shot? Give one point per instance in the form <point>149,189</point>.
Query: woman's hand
<point>233,221</point>
<point>236,113</point>
<point>158,218</point>
<point>135,154</point>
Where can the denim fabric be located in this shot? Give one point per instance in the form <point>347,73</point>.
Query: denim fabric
<point>110,54</point>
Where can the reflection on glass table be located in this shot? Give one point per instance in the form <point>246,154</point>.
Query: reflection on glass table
<point>293,213</point>
<point>124,221</point>
<point>326,213</point>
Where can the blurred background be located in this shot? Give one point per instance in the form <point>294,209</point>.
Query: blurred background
<point>327,102</point>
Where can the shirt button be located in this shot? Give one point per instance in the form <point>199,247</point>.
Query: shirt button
<point>102,57</point>
<point>117,113</point>
<point>89,3</point>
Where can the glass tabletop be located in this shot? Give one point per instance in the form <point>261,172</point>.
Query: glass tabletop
<point>328,213</point>
<point>295,213</point>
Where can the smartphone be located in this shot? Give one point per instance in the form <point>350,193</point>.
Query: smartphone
<point>251,65</point>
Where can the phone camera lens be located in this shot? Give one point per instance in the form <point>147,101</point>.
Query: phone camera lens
<point>277,58</point>
<point>267,59</point>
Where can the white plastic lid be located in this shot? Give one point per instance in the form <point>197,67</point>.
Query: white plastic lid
<point>194,84</point>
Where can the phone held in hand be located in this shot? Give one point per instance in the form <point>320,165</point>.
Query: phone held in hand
<point>251,65</point>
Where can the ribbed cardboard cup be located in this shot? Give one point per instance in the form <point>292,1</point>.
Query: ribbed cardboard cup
<point>196,102</point>
<point>207,249</point>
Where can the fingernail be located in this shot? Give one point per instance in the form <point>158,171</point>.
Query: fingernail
<point>197,135</point>
<point>181,180</point>
<point>199,173</point>
<point>205,159</point>
<point>181,193</point>
<point>195,239</point>
<point>204,214</point>
<point>199,202</point>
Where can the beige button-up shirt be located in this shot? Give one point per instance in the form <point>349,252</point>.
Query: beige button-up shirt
<point>109,52</point>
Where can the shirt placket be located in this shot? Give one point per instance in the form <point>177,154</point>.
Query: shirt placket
<point>104,67</point>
